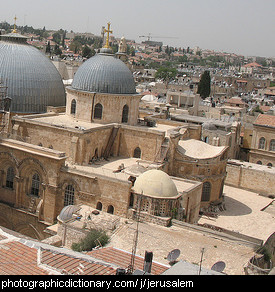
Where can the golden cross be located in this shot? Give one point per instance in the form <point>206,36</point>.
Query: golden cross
<point>14,27</point>
<point>107,45</point>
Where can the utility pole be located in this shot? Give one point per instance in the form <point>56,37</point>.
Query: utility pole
<point>202,251</point>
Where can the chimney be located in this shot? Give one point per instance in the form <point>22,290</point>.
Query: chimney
<point>148,262</point>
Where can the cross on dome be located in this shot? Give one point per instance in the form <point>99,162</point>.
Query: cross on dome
<point>107,45</point>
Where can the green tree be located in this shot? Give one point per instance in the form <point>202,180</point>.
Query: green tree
<point>87,52</point>
<point>166,74</point>
<point>75,46</point>
<point>92,239</point>
<point>56,37</point>
<point>204,86</point>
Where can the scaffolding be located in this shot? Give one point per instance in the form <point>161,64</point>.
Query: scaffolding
<point>5,103</point>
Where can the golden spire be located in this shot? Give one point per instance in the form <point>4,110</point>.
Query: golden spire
<point>14,27</point>
<point>107,45</point>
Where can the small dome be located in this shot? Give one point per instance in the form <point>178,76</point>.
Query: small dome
<point>67,212</point>
<point>155,183</point>
<point>103,73</point>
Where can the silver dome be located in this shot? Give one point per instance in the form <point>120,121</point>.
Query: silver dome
<point>33,81</point>
<point>103,73</point>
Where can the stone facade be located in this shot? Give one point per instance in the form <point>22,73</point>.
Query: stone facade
<point>263,141</point>
<point>112,107</point>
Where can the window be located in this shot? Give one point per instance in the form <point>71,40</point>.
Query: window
<point>272,145</point>
<point>269,164</point>
<point>206,191</point>
<point>69,195</point>
<point>99,206</point>
<point>110,209</point>
<point>73,107</point>
<point>145,205</point>
<point>162,209</point>
<point>10,178</point>
<point>259,162</point>
<point>262,143</point>
<point>35,185</point>
<point>125,114</point>
<point>98,111</point>
<point>137,153</point>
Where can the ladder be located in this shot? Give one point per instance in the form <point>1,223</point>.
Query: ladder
<point>31,205</point>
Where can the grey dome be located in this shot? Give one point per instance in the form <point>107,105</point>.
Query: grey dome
<point>103,73</point>
<point>33,81</point>
<point>67,212</point>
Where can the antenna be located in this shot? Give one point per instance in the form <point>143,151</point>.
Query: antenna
<point>130,268</point>
<point>218,266</point>
<point>173,255</point>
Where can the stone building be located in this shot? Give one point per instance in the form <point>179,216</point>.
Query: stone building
<point>263,141</point>
<point>80,156</point>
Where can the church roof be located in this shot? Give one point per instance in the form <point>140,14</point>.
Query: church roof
<point>198,149</point>
<point>33,81</point>
<point>103,73</point>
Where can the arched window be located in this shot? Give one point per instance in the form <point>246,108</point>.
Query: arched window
<point>99,206</point>
<point>35,185</point>
<point>259,162</point>
<point>110,209</point>
<point>10,178</point>
<point>269,164</point>
<point>69,195</point>
<point>131,203</point>
<point>73,107</point>
<point>98,111</point>
<point>125,113</point>
<point>137,153</point>
<point>262,143</point>
<point>272,145</point>
<point>206,191</point>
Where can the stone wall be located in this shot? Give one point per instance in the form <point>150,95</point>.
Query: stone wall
<point>250,176</point>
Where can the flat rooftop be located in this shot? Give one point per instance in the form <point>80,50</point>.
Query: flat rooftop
<point>112,167</point>
<point>61,120</point>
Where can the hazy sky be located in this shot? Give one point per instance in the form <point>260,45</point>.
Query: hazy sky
<point>240,26</point>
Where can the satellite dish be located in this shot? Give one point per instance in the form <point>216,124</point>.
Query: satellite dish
<point>173,255</point>
<point>218,267</point>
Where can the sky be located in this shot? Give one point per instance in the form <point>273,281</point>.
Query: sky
<point>245,27</point>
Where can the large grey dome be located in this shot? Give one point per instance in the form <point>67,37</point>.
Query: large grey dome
<point>103,73</point>
<point>33,81</point>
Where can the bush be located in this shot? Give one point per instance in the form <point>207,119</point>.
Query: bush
<point>92,239</point>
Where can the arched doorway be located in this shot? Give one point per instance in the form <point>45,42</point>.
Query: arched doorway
<point>137,153</point>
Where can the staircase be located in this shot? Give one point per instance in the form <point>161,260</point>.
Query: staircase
<point>110,142</point>
<point>162,154</point>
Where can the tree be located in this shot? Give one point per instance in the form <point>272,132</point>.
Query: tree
<point>166,74</point>
<point>87,52</point>
<point>204,86</point>
<point>92,239</point>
